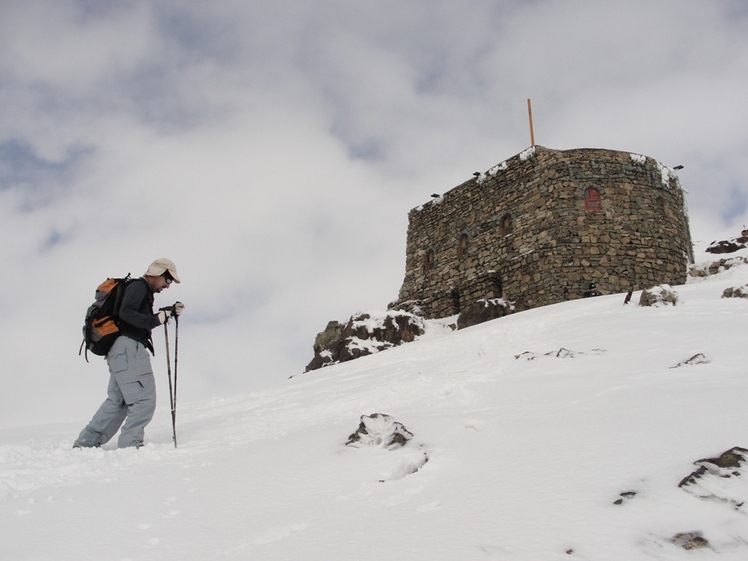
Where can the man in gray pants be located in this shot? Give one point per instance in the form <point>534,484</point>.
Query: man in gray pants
<point>132,388</point>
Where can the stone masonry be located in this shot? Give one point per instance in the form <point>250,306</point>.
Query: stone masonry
<point>539,227</point>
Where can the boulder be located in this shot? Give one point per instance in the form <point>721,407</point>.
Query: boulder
<point>380,430</point>
<point>728,246</point>
<point>364,334</point>
<point>720,479</point>
<point>484,310</point>
<point>690,540</point>
<point>736,292</point>
<point>661,295</point>
<point>714,267</point>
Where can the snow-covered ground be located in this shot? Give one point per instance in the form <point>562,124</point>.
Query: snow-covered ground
<point>527,432</point>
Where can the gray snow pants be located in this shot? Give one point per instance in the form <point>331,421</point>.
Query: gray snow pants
<point>131,398</point>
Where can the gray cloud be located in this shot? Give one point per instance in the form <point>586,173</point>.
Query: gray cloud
<point>273,150</point>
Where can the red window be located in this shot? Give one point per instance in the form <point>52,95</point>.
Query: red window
<point>592,199</point>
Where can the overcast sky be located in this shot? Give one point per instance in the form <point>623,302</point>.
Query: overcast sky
<point>273,149</point>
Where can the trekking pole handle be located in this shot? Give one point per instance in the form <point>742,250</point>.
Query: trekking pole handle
<point>177,309</point>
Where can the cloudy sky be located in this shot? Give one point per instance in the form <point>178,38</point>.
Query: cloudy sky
<point>273,148</point>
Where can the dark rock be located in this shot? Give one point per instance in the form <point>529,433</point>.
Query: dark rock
<point>698,358</point>
<point>733,458</point>
<point>362,335</point>
<point>381,430</point>
<point>690,540</point>
<point>706,269</point>
<point>561,353</point>
<point>625,496</point>
<point>736,292</point>
<point>728,246</point>
<point>658,296</point>
<point>484,310</point>
<point>713,479</point>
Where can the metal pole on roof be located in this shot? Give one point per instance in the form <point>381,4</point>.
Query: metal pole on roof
<point>529,113</point>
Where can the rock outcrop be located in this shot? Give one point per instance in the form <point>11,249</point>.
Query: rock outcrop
<point>714,267</point>
<point>729,246</point>
<point>362,335</point>
<point>720,479</point>
<point>381,430</point>
<point>658,296</point>
<point>736,292</point>
<point>484,310</point>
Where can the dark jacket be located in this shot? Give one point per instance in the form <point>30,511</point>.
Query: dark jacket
<point>136,314</point>
<point>592,292</point>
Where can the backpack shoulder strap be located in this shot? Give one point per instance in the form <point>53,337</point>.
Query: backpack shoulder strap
<point>120,292</point>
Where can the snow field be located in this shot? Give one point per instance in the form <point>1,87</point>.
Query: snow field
<point>527,430</point>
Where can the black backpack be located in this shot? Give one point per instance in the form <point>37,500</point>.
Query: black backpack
<point>101,326</point>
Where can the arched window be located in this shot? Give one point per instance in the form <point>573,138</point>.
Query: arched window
<point>428,261</point>
<point>506,224</point>
<point>462,245</point>
<point>592,199</point>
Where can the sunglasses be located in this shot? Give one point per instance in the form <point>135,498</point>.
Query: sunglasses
<point>167,277</point>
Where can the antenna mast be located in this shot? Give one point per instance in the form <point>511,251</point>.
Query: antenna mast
<point>529,114</point>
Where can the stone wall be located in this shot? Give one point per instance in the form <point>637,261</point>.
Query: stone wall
<point>539,227</point>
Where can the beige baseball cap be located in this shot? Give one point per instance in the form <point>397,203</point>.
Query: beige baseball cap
<point>160,266</point>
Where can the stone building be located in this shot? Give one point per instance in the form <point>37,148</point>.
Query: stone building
<point>539,227</point>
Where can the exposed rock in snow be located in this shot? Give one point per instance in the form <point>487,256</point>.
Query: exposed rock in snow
<point>715,267</point>
<point>728,246</point>
<point>560,353</point>
<point>658,296</point>
<point>690,540</point>
<point>379,429</point>
<point>625,497</point>
<point>364,334</point>
<point>736,292</point>
<point>698,358</point>
<point>721,479</point>
<point>484,310</point>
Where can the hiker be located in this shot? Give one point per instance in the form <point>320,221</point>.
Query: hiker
<point>132,388</point>
<point>592,291</point>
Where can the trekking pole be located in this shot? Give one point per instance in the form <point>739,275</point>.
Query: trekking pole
<point>171,392</point>
<point>174,400</point>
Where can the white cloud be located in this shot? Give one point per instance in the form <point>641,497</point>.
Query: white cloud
<point>73,45</point>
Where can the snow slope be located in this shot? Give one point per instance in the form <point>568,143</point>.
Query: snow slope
<point>527,431</point>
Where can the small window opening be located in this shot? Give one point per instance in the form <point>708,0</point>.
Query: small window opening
<point>506,225</point>
<point>592,199</point>
<point>428,261</point>
<point>661,206</point>
<point>462,245</point>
